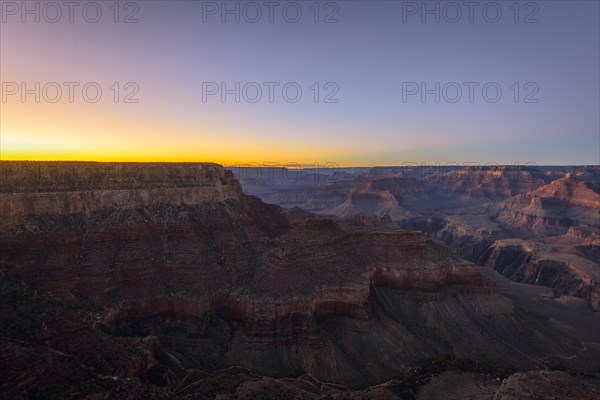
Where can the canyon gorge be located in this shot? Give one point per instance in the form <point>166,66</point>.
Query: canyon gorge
<point>192,281</point>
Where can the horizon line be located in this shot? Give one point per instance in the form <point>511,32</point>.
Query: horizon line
<point>327,165</point>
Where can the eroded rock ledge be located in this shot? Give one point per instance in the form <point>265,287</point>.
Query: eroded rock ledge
<point>61,188</point>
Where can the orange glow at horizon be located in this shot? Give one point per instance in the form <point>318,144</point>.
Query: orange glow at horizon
<point>104,133</point>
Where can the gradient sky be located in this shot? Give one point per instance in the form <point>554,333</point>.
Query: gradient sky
<point>368,54</point>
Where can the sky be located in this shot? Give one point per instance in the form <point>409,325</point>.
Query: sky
<point>355,83</point>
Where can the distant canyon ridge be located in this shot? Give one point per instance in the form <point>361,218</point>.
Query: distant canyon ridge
<point>533,224</point>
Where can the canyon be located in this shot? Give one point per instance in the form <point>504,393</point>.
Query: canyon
<point>533,224</point>
<point>176,280</point>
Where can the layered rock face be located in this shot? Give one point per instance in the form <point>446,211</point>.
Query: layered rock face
<point>71,187</point>
<point>474,209</point>
<point>534,263</point>
<point>179,277</point>
<point>555,208</point>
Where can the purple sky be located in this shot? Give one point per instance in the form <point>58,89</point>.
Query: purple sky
<point>373,61</point>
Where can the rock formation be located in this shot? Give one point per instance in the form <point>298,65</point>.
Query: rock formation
<point>554,211</point>
<point>166,280</point>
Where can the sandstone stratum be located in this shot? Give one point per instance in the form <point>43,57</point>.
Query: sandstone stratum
<point>166,280</point>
